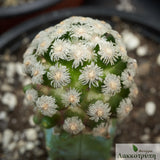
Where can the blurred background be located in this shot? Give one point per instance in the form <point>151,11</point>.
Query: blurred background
<point>20,20</point>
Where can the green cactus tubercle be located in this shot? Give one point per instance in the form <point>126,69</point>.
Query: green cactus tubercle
<point>81,76</point>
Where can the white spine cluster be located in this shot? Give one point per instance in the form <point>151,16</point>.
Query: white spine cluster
<point>31,95</point>
<point>29,61</point>
<point>124,108</point>
<point>47,105</point>
<point>38,70</point>
<point>59,50</point>
<point>91,74</point>
<point>43,46</point>
<point>72,97</point>
<point>98,111</point>
<point>133,91</point>
<point>132,64</point>
<point>82,31</point>
<point>100,130</point>
<point>79,53</point>
<point>127,77</point>
<point>58,75</point>
<point>73,125</point>
<point>112,84</point>
<point>108,53</point>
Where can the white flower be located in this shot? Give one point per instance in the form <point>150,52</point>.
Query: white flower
<point>127,77</point>
<point>31,95</point>
<point>98,111</point>
<point>59,75</point>
<point>133,91</point>
<point>72,97</point>
<point>47,106</point>
<point>100,130</point>
<point>38,70</point>
<point>28,63</point>
<point>91,74</point>
<point>108,53</point>
<point>59,50</point>
<point>78,54</point>
<point>112,84</point>
<point>124,108</point>
<point>73,125</point>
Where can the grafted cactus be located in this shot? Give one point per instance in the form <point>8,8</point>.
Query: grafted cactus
<point>81,79</point>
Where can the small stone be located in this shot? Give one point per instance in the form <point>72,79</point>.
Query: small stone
<point>145,138</point>
<point>152,90</point>
<point>11,146</point>
<point>142,51</point>
<point>10,100</point>
<point>157,139</point>
<point>156,129</point>
<point>140,116</point>
<point>16,136</point>
<point>21,146</point>
<point>125,5</point>
<point>29,146</point>
<point>11,69</point>
<point>144,68</point>
<point>31,122</point>
<point>3,115</point>
<point>158,59</point>
<point>13,121</point>
<point>37,143</point>
<point>7,137</point>
<point>6,88</point>
<point>31,134</point>
<point>7,55</point>
<point>19,69</point>
<point>25,40</point>
<point>147,130</point>
<point>16,155</point>
<point>150,108</point>
<point>131,41</point>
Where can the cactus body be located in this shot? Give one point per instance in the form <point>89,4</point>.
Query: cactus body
<point>81,77</point>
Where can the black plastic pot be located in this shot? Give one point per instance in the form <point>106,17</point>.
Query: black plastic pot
<point>12,39</point>
<point>31,7</point>
<point>11,16</point>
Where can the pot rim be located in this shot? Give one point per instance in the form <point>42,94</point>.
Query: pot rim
<point>26,8</point>
<point>9,36</point>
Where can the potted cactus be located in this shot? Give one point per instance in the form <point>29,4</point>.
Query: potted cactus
<point>82,82</point>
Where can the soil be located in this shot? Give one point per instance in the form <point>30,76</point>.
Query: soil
<point>138,127</point>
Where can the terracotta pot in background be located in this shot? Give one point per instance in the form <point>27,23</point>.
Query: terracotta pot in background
<point>10,17</point>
